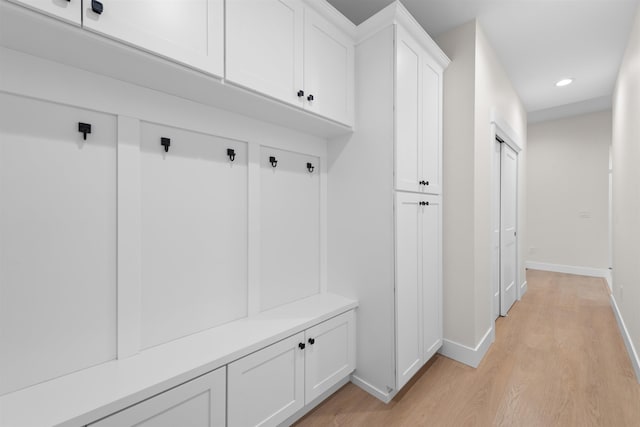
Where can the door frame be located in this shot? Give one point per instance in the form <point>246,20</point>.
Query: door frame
<point>500,128</point>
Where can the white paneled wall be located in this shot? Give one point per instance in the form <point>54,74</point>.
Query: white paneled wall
<point>194,233</point>
<point>290,227</point>
<point>187,232</point>
<point>57,241</point>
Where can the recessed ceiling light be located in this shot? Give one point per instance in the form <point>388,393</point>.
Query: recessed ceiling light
<point>564,82</point>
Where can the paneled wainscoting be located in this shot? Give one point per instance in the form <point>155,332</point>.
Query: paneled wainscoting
<point>558,360</point>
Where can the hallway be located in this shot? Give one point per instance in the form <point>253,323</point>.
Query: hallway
<point>558,360</point>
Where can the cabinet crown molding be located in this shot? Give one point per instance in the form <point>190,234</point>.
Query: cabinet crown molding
<point>397,14</point>
<point>333,15</point>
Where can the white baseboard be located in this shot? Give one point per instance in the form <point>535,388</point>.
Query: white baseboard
<point>633,355</point>
<point>523,288</point>
<point>467,355</point>
<point>569,269</point>
<point>374,391</point>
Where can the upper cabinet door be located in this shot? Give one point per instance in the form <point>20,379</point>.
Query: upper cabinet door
<point>67,10</point>
<point>187,31</point>
<point>264,46</point>
<point>407,111</point>
<point>328,69</point>
<point>431,173</point>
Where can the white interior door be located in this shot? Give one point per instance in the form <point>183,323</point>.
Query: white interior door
<point>508,230</point>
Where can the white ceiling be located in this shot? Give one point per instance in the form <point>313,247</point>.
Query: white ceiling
<point>538,42</point>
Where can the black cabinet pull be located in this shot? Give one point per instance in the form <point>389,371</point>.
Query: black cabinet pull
<point>424,203</point>
<point>302,346</point>
<point>97,6</point>
<point>310,167</point>
<point>312,341</point>
<point>300,93</point>
<point>231,153</point>
<point>423,182</point>
<point>310,98</point>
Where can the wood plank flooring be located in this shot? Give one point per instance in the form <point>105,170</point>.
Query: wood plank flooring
<point>558,360</point>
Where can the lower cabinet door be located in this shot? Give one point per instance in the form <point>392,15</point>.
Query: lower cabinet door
<point>197,403</point>
<point>267,387</point>
<point>330,354</point>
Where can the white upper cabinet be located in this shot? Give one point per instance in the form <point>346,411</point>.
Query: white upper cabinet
<point>264,43</point>
<point>286,50</point>
<point>187,31</point>
<point>418,117</point>
<point>67,10</point>
<point>407,113</point>
<point>328,69</point>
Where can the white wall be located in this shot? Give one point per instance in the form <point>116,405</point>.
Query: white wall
<point>475,85</point>
<point>568,191</point>
<point>626,189</point>
<point>457,199</point>
<point>494,95</point>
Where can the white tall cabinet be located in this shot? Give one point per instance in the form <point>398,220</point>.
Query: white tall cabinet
<point>385,210</point>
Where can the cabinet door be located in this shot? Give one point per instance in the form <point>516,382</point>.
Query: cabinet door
<point>57,241</point>
<point>289,227</point>
<point>408,287</point>
<point>267,387</point>
<point>408,120</point>
<point>328,69</point>
<point>264,43</point>
<point>67,10</point>
<point>431,275</point>
<point>431,137</point>
<point>190,32</point>
<point>197,403</point>
<point>330,354</point>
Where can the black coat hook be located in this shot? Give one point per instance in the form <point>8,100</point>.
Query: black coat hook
<point>310,167</point>
<point>231,153</point>
<point>273,161</point>
<point>84,128</point>
<point>166,143</point>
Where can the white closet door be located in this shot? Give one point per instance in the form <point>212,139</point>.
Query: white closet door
<point>69,11</point>
<point>266,387</point>
<point>194,233</point>
<point>328,69</point>
<point>408,287</point>
<point>508,227</point>
<point>187,31</point>
<point>264,44</point>
<point>431,155</point>
<point>407,113</point>
<point>431,276</point>
<point>290,227</point>
<point>57,241</point>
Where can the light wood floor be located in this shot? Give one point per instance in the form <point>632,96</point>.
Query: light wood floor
<point>558,360</point>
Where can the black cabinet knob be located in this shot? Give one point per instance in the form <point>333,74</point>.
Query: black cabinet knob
<point>301,345</point>
<point>97,7</point>
<point>424,203</point>
<point>312,341</point>
<point>300,93</point>
<point>310,98</point>
<point>423,182</point>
